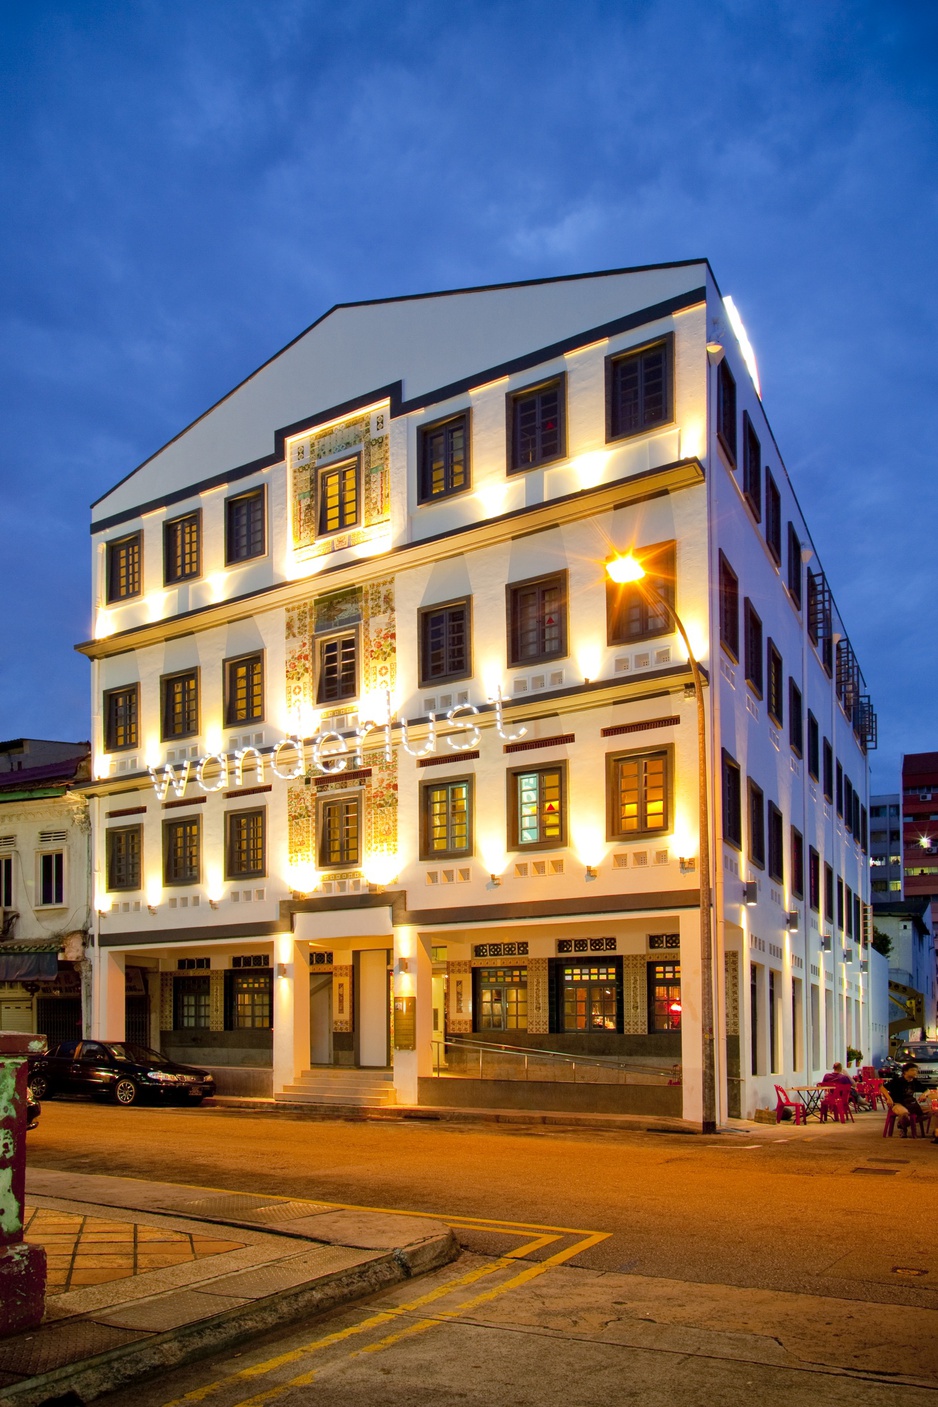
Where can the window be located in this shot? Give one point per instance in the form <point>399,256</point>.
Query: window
<point>338,496</point>
<point>829,893</point>
<point>840,902</point>
<point>536,421</point>
<point>638,789</point>
<point>848,803</point>
<point>773,517</point>
<point>180,704</point>
<point>52,878</point>
<point>729,609</point>
<point>839,789</point>
<point>245,854</point>
<point>182,548</point>
<point>590,994</point>
<point>120,718</point>
<point>776,682</point>
<point>444,459</point>
<point>664,996</point>
<point>124,850</point>
<point>753,648</point>
<point>732,802</point>
<point>337,670</point>
<point>828,771</point>
<point>244,690</point>
<point>340,831</point>
<point>446,818</point>
<point>250,1007</point>
<point>797,863</point>
<point>445,642</point>
<point>776,865</point>
<point>124,568</point>
<point>181,851</point>
<point>245,528</point>
<point>6,881</point>
<point>848,893</point>
<point>501,999</point>
<point>633,610</point>
<point>726,411</point>
<point>814,879</point>
<point>537,620</point>
<point>754,1003</point>
<point>756,824</point>
<point>814,769</point>
<point>638,391</point>
<point>192,1003</point>
<point>752,468</point>
<point>536,807</point>
<point>795,719</point>
<point>794,565</point>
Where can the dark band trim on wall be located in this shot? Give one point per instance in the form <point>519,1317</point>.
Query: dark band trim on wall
<point>186,801</point>
<point>193,937</point>
<point>639,727</point>
<point>343,777</point>
<point>438,761</point>
<point>656,901</point>
<point>127,811</point>
<point>391,393</point>
<point>540,742</point>
<point>247,791</point>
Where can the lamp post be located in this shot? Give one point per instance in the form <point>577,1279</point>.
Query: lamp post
<point>623,571</point>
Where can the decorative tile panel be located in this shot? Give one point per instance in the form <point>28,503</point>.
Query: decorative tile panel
<point>538,1007</point>
<point>216,1001</point>
<point>731,968</point>
<point>355,436</point>
<point>635,995</point>
<point>342,999</point>
<point>166,1001</point>
<point>459,998</point>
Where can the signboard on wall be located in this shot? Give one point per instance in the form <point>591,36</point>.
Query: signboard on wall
<point>405,1023</point>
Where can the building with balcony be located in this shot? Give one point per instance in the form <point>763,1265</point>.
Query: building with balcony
<point>396,791</point>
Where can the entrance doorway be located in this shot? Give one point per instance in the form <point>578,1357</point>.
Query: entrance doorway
<point>372,1017</point>
<point>320,1018</point>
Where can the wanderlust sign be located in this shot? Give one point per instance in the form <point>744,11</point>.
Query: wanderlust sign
<point>328,753</point>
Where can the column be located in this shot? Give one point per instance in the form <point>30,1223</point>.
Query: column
<point>413,1013</point>
<point>22,1266</point>
<point>110,997</point>
<point>691,1061</point>
<point>291,1010</point>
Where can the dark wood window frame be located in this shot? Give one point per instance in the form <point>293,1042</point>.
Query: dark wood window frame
<point>124,857</point>
<point>729,609</point>
<point>828,782</point>
<point>513,593</point>
<point>336,681</point>
<point>795,566</point>
<point>233,718</point>
<point>182,557</point>
<point>752,467</point>
<point>514,808</point>
<point>631,612</point>
<point>814,879</point>
<point>349,469</point>
<point>124,568</point>
<point>773,517</point>
<point>752,623</point>
<point>246,835</point>
<point>614,768</point>
<point>517,464</point>
<point>663,975</point>
<point>795,718</point>
<point>814,747</point>
<point>731,788</point>
<point>339,804</point>
<point>246,542</point>
<point>167,683</point>
<point>776,844</point>
<point>640,362</point>
<point>447,785</point>
<point>176,867</point>
<point>726,411</point>
<point>444,464</point>
<point>775,683</point>
<point>756,808</point>
<point>456,661</point>
<point>829,893</point>
<point>122,718</point>
<point>797,863</point>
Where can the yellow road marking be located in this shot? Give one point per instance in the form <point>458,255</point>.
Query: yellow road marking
<point>385,1317</point>
<point>530,1273</point>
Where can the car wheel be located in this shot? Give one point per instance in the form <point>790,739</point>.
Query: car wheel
<point>126,1092</point>
<point>39,1087</point>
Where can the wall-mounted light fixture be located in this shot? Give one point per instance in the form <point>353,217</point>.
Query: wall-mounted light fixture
<point>715,353</point>
<point>793,921</point>
<point>403,965</point>
<point>281,969</point>
<point>864,964</point>
<point>825,945</point>
<point>213,903</point>
<point>152,908</point>
<point>750,893</point>
<point>496,880</point>
<point>590,872</point>
<point>688,864</point>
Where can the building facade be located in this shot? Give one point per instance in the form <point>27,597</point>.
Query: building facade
<point>390,775</point>
<point>886,849</point>
<point>45,897</point>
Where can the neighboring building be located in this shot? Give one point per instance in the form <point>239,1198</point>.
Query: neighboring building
<point>920,827</point>
<point>907,925</point>
<point>885,849</point>
<point>45,869</point>
<point>383,757</point>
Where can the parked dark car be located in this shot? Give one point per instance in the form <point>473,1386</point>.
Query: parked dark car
<point>117,1069</point>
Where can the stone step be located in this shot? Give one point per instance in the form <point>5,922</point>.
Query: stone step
<point>345,1074</point>
<point>333,1101</point>
<point>373,1091</point>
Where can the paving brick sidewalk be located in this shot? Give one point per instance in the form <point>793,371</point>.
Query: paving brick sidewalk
<point>145,1275</point>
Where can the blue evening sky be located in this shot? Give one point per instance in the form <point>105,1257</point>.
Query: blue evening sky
<point>186,184</point>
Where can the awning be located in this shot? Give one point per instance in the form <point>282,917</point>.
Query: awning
<point>29,962</point>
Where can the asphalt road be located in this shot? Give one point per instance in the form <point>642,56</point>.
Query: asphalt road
<point>791,1264</point>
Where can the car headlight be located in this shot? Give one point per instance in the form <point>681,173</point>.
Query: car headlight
<point>162,1076</point>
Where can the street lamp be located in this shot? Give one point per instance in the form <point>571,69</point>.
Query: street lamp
<point>629,571</point>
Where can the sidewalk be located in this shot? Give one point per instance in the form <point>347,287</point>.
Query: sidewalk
<point>144,1276</point>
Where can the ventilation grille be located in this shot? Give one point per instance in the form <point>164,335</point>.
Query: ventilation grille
<point>443,702</point>
<point>7,842</point>
<point>247,896</point>
<point>123,764</point>
<point>234,744</point>
<point>53,837</point>
<point>343,886</point>
<point>251,960</point>
<point>537,869</point>
<point>186,901</point>
<point>181,754</point>
<point>127,906</point>
<point>454,876</point>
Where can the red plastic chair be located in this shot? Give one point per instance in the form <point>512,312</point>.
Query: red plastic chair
<point>784,1102</point>
<point>873,1093</point>
<point>918,1123</point>
<point>836,1103</point>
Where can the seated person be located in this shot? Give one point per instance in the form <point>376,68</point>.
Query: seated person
<point>902,1091</point>
<point>838,1077</point>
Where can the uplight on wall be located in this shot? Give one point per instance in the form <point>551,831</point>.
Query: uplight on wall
<point>382,867</point>
<point>750,893</point>
<point>590,468</point>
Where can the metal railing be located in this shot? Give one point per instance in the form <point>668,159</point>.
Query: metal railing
<point>488,1060</point>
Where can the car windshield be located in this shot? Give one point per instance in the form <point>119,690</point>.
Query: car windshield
<point>139,1054</point>
<point>920,1052</point>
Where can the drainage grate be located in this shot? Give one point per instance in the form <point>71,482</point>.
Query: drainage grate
<point>877,1172</point>
<point>908,1270</point>
<point>227,1204</point>
<point>32,1354</point>
<point>285,1211</point>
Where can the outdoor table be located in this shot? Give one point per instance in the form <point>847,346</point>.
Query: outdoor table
<point>811,1096</point>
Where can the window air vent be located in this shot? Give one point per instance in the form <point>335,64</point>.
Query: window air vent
<point>7,842</point>
<point>53,837</point>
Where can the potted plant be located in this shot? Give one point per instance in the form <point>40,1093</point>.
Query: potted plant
<point>854,1056</point>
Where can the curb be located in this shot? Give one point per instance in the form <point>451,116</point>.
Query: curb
<point>117,1367</point>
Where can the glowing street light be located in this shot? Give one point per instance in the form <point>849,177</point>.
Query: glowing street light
<point>627,570</point>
